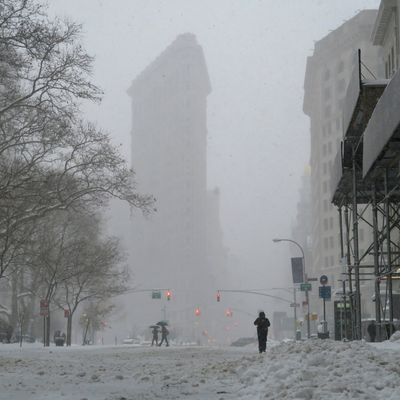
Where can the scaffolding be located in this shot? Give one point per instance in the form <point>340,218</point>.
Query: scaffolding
<point>365,186</point>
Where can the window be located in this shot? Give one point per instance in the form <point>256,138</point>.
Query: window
<point>326,244</point>
<point>324,150</point>
<point>327,75</point>
<point>326,262</point>
<point>393,67</point>
<point>340,67</point>
<point>325,205</point>
<point>325,224</point>
<point>331,242</point>
<point>330,148</point>
<point>325,168</point>
<point>332,260</point>
<point>329,129</point>
<point>337,124</point>
<point>331,222</point>
<point>327,93</point>
<point>328,111</point>
<point>341,85</point>
<point>324,187</point>
<point>361,234</point>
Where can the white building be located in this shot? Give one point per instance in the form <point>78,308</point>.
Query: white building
<point>327,76</point>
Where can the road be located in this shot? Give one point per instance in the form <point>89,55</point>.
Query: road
<point>308,370</point>
<point>121,372</point>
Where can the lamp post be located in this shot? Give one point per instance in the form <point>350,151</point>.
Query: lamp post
<point>305,280</point>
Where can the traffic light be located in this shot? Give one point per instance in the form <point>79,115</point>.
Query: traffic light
<point>228,312</point>
<point>197,312</point>
<point>218,296</point>
<point>168,295</point>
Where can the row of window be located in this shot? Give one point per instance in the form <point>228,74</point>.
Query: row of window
<point>327,129</point>
<point>390,64</point>
<point>339,69</point>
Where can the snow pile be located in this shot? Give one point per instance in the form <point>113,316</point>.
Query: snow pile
<point>322,370</point>
<point>310,370</point>
<point>395,337</point>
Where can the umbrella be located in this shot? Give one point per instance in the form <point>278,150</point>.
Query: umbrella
<point>154,327</point>
<point>162,323</point>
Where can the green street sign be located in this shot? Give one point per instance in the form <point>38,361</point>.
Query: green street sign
<point>156,294</point>
<point>305,286</point>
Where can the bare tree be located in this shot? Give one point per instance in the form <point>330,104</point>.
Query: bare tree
<point>98,276</point>
<point>50,159</point>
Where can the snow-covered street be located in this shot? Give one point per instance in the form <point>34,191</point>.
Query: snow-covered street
<point>318,370</point>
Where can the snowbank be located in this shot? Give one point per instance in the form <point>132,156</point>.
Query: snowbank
<point>309,370</point>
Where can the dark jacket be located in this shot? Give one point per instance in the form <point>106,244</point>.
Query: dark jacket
<point>262,324</point>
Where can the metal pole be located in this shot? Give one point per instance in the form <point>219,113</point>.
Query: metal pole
<point>343,314</point>
<point>295,314</point>
<point>376,262</point>
<point>389,253</point>
<point>345,309</point>
<point>305,279</point>
<point>355,247</point>
<point>349,268</point>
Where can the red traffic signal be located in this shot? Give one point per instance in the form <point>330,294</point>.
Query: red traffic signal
<point>228,312</point>
<point>197,312</point>
<point>168,295</point>
<point>218,296</point>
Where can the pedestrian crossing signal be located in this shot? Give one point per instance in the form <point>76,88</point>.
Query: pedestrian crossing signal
<point>218,297</point>
<point>197,312</point>
<point>168,295</point>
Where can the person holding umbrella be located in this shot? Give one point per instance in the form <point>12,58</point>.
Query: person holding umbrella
<point>155,330</point>
<point>164,333</point>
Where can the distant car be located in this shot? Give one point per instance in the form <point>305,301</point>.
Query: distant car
<point>25,338</point>
<point>6,331</point>
<point>131,341</point>
<point>244,341</point>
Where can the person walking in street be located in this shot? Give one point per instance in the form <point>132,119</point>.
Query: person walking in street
<point>371,329</point>
<point>164,334</point>
<point>155,336</point>
<point>262,324</point>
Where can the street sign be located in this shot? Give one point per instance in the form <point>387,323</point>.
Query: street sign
<point>44,308</point>
<point>323,280</point>
<point>314,317</point>
<point>305,286</point>
<point>297,269</point>
<point>325,292</point>
<point>294,305</point>
<point>156,294</point>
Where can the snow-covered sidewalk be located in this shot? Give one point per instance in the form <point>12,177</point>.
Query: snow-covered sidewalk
<point>314,370</point>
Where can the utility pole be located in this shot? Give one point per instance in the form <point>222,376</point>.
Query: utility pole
<point>305,278</point>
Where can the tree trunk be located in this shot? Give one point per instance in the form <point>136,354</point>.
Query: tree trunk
<point>48,328</point>
<point>14,305</point>
<point>69,329</point>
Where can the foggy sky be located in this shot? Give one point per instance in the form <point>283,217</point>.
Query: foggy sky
<point>258,137</point>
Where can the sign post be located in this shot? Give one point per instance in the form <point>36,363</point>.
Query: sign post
<point>324,294</point>
<point>44,312</point>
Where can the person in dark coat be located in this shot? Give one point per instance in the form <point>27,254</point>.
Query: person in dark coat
<point>372,331</point>
<point>155,336</point>
<point>262,324</point>
<point>164,334</point>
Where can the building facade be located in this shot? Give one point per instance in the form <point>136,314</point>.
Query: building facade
<point>327,77</point>
<point>169,155</point>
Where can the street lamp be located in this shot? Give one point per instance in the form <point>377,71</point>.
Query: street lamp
<point>277,240</point>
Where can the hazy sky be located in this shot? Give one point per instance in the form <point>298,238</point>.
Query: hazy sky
<point>256,50</point>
